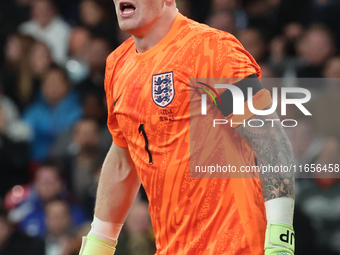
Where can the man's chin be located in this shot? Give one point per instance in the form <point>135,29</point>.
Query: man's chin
<point>127,25</point>
<point>129,29</point>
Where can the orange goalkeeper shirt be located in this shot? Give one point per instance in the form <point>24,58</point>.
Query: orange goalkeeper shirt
<point>148,97</point>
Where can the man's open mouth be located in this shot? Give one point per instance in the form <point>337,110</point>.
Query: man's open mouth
<point>127,8</point>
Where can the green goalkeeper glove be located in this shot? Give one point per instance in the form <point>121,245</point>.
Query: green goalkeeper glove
<point>280,239</point>
<point>92,245</point>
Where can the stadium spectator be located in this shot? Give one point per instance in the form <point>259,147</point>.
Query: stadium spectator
<point>57,110</point>
<point>14,135</point>
<point>137,237</point>
<point>78,39</point>
<point>92,13</point>
<point>253,42</point>
<point>218,5</point>
<point>283,50</point>
<point>332,68</point>
<point>319,198</point>
<point>262,16</point>
<point>26,63</point>
<point>16,72</point>
<point>13,153</point>
<point>87,165</point>
<point>48,185</point>
<point>40,60</point>
<point>293,32</point>
<point>95,108</point>
<point>8,108</point>
<point>302,54</point>
<point>45,25</point>
<point>84,133</point>
<point>314,49</point>
<point>327,12</point>
<point>76,244</point>
<point>60,233</point>
<point>12,242</point>
<point>223,20</point>
<point>98,17</point>
<point>267,72</point>
<point>82,157</point>
<point>76,66</point>
<point>234,6</point>
<point>278,49</point>
<point>97,51</point>
<point>94,116</point>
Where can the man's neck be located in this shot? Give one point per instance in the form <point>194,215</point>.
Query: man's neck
<point>156,33</point>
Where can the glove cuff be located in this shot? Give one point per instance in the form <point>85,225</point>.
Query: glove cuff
<point>280,235</point>
<point>278,251</point>
<point>93,245</point>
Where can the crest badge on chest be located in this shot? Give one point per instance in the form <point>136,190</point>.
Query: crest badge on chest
<point>163,89</point>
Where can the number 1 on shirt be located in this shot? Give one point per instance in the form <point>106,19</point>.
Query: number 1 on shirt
<point>141,130</point>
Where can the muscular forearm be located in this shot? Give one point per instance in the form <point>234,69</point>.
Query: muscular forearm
<point>118,186</point>
<point>271,147</point>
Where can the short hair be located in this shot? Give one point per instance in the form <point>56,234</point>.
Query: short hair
<point>318,27</point>
<point>62,201</point>
<point>59,69</point>
<point>52,4</point>
<point>53,165</point>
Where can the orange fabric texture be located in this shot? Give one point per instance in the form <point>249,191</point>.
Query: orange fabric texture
<point>190,216</point>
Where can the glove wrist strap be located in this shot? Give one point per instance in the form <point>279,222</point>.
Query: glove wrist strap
<point>280,235</point>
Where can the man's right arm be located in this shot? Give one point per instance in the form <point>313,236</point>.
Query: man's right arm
<point>118,186</point>
<point>117,189</point>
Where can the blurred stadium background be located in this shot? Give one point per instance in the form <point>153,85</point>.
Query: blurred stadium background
<point>53,135</point>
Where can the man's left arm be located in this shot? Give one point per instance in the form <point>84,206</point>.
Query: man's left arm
<point>272,148</point>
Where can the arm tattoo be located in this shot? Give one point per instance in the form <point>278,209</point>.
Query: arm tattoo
<point>271,147</point>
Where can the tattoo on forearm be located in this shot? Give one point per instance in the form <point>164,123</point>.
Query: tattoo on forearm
<point>271,147</point>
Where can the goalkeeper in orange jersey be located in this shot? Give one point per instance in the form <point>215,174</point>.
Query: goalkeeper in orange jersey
<point>147,85</point>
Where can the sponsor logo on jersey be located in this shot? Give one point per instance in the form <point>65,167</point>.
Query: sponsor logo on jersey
<point>115,102</point>
<point>163,89</point>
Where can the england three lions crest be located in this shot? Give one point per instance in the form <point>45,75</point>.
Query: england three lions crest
<point>163,89</point>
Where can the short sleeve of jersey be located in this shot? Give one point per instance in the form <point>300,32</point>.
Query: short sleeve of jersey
<point>112,123</point>
<point>221,55</point>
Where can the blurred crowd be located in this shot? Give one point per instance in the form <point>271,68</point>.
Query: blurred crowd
<point>53,134</point>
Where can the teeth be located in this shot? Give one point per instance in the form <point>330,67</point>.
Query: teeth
<point>127,8</point>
